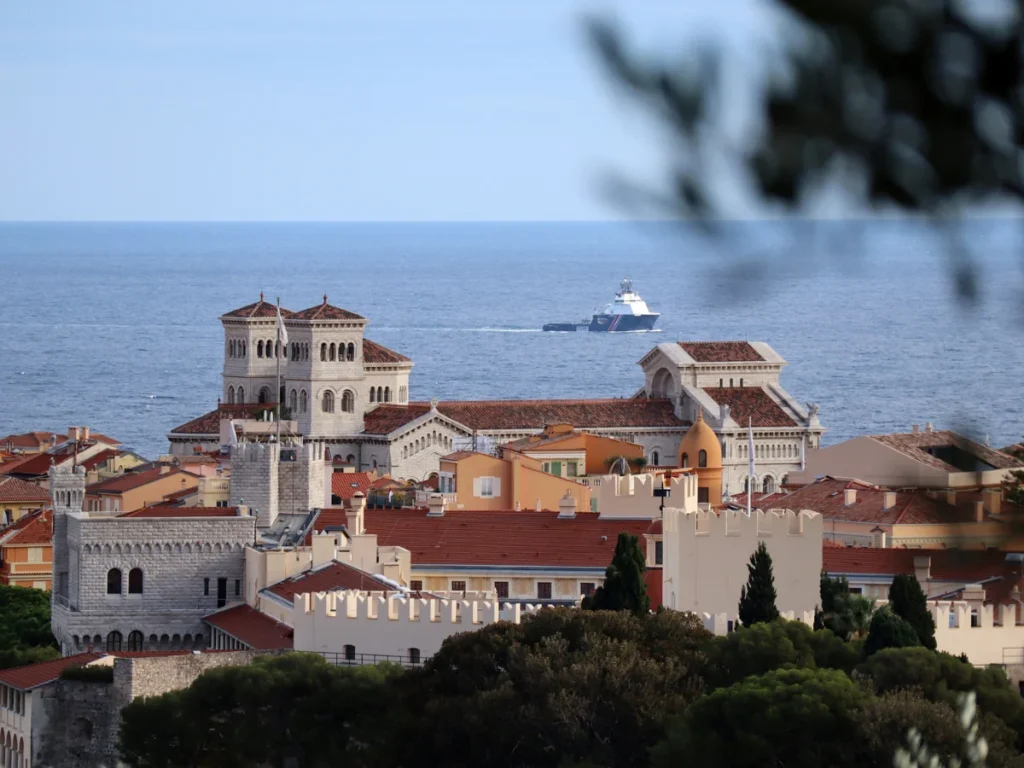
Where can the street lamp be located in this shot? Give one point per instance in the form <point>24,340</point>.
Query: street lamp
<point>665,490</point>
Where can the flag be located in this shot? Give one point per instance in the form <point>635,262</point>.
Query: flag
<point>750,468</point>
<point>282,332</point>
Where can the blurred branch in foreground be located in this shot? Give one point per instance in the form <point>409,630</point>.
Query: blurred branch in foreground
<point>906,106</point>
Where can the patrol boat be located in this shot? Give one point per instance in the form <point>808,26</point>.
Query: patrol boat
<point>627,312</point>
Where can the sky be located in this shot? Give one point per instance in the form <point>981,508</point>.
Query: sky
<point>348,110</point>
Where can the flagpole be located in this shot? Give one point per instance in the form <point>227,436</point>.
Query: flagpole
<point>278,356</point>
<point>750,468</point>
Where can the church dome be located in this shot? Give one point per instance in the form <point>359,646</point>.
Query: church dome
<point>700,446</point>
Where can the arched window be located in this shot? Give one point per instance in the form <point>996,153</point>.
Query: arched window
<point>245,348</point>
<point>350,653</point>
<point>351,352</point>
<point>768,486</point>
<point>305,352</point>
<point>685,460</point>
<point>135,639</point>
<point>231,348</point>
<point>114,581</point>
<point>350,459</point>
<point>264,395</point>
<point>741,382</point>
<point>241,394</point>
<point>655,459</point>
<point>330,352</point>
<point>730,382</point>
<point>231,395</point>
<point>348,401</point>
<point>405,452</point>
<point>323,352</point>
<point>259,348</point>
<point>373,395</point>
<point>327,405</point>
<point>302,401</point>
<point>135,581</point>
<point>702,458</point>
<point>414,655</point>
<point>268,348</point>
<point>387,394</point>
<point>114,641</point>
<point>293,400</point>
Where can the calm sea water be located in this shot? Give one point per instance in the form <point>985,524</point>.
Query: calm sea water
<point>115,325</point>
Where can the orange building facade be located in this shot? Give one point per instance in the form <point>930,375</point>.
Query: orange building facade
<point>483,482</point>
<point>26,552</point>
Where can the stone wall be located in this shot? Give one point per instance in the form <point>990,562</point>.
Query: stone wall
<point>254,480</point>
<point>301,482</point>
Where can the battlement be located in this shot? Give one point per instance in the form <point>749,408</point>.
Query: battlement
<point>633,495</point>
<point>723,623</point>
<point>774,522</point>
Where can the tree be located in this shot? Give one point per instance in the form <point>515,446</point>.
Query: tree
<point>907,600</point>
<point>871,97</point>
<point>624,588</point>
<point>25,636</point>
<point>791,717</point>
<point>889,631</point>
<point>1014,486</point>
<point>757,598</point>
<point>846,614</point>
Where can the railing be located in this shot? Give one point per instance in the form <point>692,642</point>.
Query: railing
<point>361,659</point>
<point>422,497</point>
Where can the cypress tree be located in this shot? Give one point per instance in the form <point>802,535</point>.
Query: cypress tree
<point>624,588</point>
<point>757,598</point>
<point>907,600</point>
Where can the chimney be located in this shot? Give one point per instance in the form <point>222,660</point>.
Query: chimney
<point>85,433</point>
<point>993,498</point>
<point>928,427</point>
<point>354,515</point>
<point>879,538</point>
<point>243,510</point>
<point>849,496</point>
<point>566,506</point>
<point>951,497</point>
<point>537,507</point>
<point>915,429</point>
<point>72,433</point>
<point>53,441</point>
<point>888,500</point>
<point>979,511</point>
<point>323,548</point>
<point>435,505</point>
<point>923,568</point>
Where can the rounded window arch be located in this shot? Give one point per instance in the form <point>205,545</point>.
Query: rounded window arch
<point>327,403</point>
<point>135,581</point>
<point>405,452</point>
<point>323,352</point>
<point>387,394</point>
<point>231,395</point>
<point>114,581</point>
<point>351,354</point>
<point>293,400</point>
<point>259,348</point>
<point>348,401</point>
<point>768,484</point>
<point>241,395</point>
<point>655,458</point>
<point>264,396</point>
<point>268,348</point>
<point>702,458</point>
<point>685,460</point>
<point>330,352</point>
<point>303,402</point>
<point>114,641</point>
<point>373,395</point>
<point>135,640</point>
<point>380,394</point>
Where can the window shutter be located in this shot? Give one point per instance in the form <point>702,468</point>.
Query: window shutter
<point>496,488</point>
<point>476,487</point>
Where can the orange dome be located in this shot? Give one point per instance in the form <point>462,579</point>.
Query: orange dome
<point>700,437</point>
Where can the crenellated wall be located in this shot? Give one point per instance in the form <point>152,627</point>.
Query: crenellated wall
<point>724,623</point>
<point>632,496</point>
<point>374,624</point>
<point>706,553</point>
<point>994,638</point>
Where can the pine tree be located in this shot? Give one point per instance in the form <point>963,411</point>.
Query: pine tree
<point>757,598</point>
<point>907,600</point>
<point>624,588</point>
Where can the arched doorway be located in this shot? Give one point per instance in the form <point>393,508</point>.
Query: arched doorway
<point>264,396</point>
<point>663,384</point>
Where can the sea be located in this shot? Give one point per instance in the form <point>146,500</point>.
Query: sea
<point>116,326</point>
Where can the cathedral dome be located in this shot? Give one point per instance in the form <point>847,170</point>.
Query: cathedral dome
<point>700,446</point>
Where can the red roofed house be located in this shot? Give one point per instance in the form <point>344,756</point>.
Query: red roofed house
<point>352,394</point>
<point>26,551</point>
<point>132,490</point>
<point>39,442</point>
<point>18,498</point>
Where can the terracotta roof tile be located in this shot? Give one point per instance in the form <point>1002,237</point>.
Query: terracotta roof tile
<point>378,353</point>
<point>326,311</point>
<point>100,458</point>
<point>261,309</point>
<point>31,440</point>
<point>132,480</point>
<point>31,530</point>
<point>209,423</point>
<point>721,351</point>
<point>957,565</point>
<point>345,485</point>
<point>917,444</point>
<point>751,403</point>
<point>385,419</point>
<point>331,577</point>
<point>464,537</point>
<point>13,489</point>
<point>255,629</point>
<point>158,511</point>
<point>33,675</point>
<point>583,414</point>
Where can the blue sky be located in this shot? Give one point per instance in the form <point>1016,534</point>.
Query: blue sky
<point>375,110</point>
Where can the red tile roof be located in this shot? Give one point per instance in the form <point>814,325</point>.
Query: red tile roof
<point>12,489</point>
<point>721,351</point>
<point>463,537</point>
<point>958,565</point>
<point>751,403</point>
<point>259,308</point>
<point>584,414</point>
<point>166,511</point>
<point>345,485</point>
<point>33,675</point>
<point>30,530</point>
<point>916,445</point>
<point>385,419</point>
<point>378,353</point>
<point>31,440</point>
<point>328,578</point>
<point>209,423</point>
<point>255,629</point>
<point>132,480</point>
<point>100,458</point>
<point>326,311</point>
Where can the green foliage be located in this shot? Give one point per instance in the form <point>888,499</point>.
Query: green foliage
<point>1013,487</point>
<point>757,598</point>
<point>624,588</point>
<point>908,601</point>
<point>845,614</point>
<point>889,631</point>
<point>292,707</point>
<point>95,673</point>
<point>25,635</point>
<point>790,717</point>
<point>564,686</point>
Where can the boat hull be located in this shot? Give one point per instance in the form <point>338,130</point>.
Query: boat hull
<point>623,323</point>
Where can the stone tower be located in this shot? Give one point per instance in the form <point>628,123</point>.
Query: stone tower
<point>67,493</point>
<point>326,380</point>
<point>301,477</point>
<point>251,353</point>
<point>254,480</point>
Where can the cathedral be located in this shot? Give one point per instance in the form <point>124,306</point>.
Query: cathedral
<point>349,396</point>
